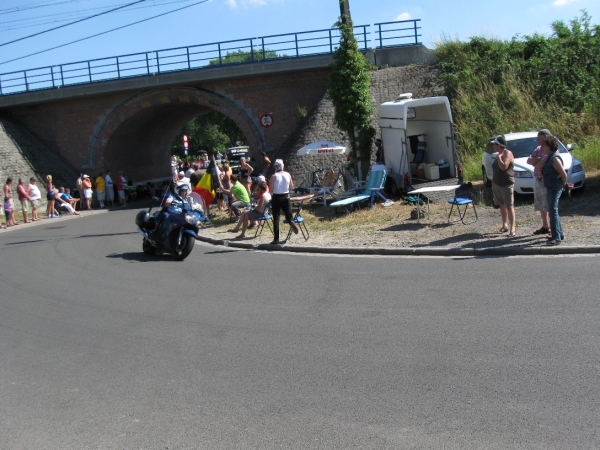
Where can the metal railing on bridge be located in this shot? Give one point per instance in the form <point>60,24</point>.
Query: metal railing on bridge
<point>241,51</point>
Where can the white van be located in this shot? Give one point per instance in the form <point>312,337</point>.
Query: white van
<point>418,140</point>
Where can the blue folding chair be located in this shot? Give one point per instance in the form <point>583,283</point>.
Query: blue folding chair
<point>463,197</point>
<point>266,218</point>
<point>372,190</point>
<point>299,221</point>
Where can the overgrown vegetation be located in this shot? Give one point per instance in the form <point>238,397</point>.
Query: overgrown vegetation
<point>240,56</point>
<point>348,84</point>
<point>526,83</point>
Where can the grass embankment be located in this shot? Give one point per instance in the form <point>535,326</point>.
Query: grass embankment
<point>527,83</point>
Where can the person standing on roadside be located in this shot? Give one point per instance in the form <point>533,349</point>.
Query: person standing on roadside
<point>86,184</point>
<point>79,188</point>
<point>8,194</point>
<point>24,199</point>
<point>280,184</point>
<point>110,190</point>
<point>540,194</point>
<point>101,190</point>
<point>35,197</point>
<point>121,185</point>
<point>503,184</point>
<point>555,180</point>
<point>245,177</point>
<point>50,197</point>
<point>266,166</point>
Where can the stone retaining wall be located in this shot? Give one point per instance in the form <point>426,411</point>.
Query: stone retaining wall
<point>386,85</point>
<point>22,155</point>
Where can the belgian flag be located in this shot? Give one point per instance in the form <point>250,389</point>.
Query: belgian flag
<point>209,183</point>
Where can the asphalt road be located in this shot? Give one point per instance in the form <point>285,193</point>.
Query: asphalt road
<point>103,347</point>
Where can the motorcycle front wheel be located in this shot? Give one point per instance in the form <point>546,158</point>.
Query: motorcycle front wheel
<point>148,248</point>
<point>187,244</point>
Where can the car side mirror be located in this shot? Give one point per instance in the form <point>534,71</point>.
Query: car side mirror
<point>570,147</point>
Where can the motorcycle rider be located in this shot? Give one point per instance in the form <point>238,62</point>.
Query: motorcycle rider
<point>177,198</point>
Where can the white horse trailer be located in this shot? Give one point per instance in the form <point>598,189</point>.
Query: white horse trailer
<point>417,132</point>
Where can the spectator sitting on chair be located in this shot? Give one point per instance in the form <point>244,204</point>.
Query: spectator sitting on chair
<point>253,214</point>
<point>242,199</point>
<point>65,194</point>
<point>62,203</point>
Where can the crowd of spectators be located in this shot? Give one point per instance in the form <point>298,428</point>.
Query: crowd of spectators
<point>88,193</point>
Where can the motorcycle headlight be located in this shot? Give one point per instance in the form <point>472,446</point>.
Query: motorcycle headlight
<point>523,174</point>
<point>190,219</point>
<point>577,168</point>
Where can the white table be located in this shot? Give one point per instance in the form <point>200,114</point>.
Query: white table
<point>430,189</point>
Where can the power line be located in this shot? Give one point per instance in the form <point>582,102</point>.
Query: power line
<point>104,32</point>
<point>70,15</point>
<point>35,6</point>
<point>71,23</point>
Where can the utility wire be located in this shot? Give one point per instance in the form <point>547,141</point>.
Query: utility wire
<point>104,32</point>
<point>72,23</point>
<point>64,16</point>
<point>35,6</point>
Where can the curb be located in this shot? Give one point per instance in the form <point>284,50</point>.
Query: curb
<point>540,250</point>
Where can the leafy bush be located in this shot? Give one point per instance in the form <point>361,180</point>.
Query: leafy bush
<point>523,84</point>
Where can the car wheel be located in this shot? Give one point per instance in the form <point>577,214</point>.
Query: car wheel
<point>484,176</point>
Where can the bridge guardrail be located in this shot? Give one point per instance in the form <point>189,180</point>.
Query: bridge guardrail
<point>240,51</point>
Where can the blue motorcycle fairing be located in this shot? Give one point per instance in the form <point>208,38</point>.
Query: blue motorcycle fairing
<point>190,232</point>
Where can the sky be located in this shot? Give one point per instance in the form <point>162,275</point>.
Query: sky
<point>222,20</point>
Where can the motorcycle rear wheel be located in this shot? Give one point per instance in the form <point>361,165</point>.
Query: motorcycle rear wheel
<point>148,248</point>
<point>183,251</point>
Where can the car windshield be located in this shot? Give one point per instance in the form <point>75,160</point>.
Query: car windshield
<point>522,148</point>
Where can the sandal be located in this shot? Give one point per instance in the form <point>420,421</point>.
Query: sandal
<point>542,231</point>
<point>502,230</point>
<point>513,233</point>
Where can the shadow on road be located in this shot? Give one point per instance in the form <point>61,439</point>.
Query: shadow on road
<point>139,257</point>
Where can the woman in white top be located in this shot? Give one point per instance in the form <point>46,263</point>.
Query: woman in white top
<point>35,197</point>
<point>280,184</point>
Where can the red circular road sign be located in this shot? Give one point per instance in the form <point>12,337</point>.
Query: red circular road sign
<point>266,120</point>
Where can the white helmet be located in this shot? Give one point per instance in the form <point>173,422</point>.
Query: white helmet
<point>183,187</point>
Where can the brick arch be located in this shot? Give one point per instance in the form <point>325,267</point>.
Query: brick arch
<point>137,135</point>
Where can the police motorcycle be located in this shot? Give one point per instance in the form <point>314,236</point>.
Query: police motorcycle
<point>173,228</point>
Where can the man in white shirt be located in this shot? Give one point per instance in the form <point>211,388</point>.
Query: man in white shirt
<point>110,191</point>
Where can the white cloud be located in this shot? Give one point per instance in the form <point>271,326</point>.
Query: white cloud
<point>406,16</point>
<point>562,2</point>
<point>231,3</point>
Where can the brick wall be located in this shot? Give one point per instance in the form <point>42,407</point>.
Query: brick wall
<point>133,131</point>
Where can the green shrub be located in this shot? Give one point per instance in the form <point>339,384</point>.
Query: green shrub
<point>525,84</point>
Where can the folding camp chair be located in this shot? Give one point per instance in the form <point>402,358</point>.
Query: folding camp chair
<point>463,197</point>
<point>299,221</point>
<point>327,189</point>
<point>372,190</point>
<point>266,218</point>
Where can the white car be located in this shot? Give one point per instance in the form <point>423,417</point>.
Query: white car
<point>522,145</point>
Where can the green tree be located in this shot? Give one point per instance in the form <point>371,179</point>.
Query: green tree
<point>348,84</point>
<point>240,56</point>
<point>212,132</point>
